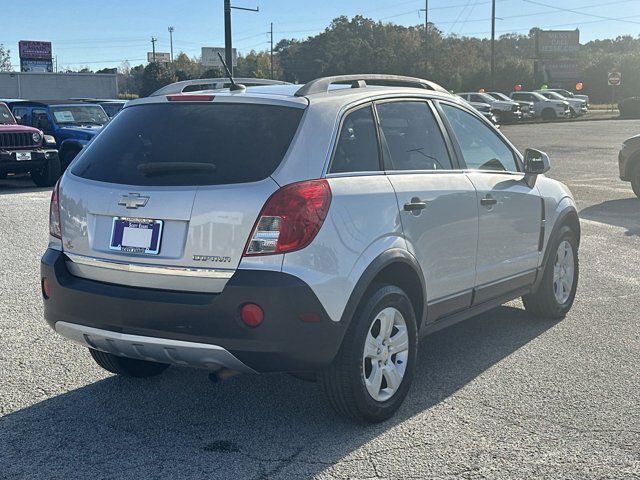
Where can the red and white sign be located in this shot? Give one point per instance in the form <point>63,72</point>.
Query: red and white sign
<point>614,79</point>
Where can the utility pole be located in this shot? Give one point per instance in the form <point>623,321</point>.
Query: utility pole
<point>271,52</point>
<point>426,32</point>
<point>228,47</point>
<point>493,43</point>
<point>171,41</point>
<point>153,48</point>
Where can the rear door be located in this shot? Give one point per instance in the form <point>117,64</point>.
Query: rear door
<point>437,203</point>
<point>510,218</point>
<point>167,194</point>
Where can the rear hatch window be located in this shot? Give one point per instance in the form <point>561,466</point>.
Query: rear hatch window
<point>173,144</point>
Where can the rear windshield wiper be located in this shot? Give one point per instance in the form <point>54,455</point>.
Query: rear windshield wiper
<point>159,168</point>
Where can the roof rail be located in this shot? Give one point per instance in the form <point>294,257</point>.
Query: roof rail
<point>321,85</point>
<point>212,84</point>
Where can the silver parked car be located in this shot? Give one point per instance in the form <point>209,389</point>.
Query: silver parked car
<point>504,110</point>
<point>318,229</point>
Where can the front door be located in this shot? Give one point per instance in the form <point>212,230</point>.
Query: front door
<point>437,203</point>
<point>510,211</point>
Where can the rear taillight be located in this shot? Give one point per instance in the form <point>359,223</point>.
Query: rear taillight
<point>54,212</point>
<point>291,218</point>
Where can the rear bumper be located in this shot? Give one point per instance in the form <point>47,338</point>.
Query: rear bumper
<point>122,317</point>
<point>623,159</point>
<point>39,158</point>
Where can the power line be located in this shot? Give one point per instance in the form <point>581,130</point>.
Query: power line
<point>577,12</point>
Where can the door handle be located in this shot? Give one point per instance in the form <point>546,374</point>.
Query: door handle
<point>488,200</point>
<point>415,205</point>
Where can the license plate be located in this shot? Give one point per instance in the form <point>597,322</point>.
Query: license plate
<point>136,235</point>
<point>23,156</point>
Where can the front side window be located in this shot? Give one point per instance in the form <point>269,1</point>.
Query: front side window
<point>412,137</point>
<point>357,146</point>
<point>481,147</point>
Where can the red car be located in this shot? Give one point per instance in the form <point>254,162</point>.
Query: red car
<point>26,149</point>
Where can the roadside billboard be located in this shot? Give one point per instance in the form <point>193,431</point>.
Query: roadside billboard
<point>35,56</point>
<point>161,57</point>
<point>210,56</point>
<point>558,42</point>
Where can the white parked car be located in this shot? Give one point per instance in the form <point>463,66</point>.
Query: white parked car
<point>578,107</point>
<point>525,107</point>
<point>568,94</point>
<point>504,110</point>
<point>543,107</point>
<point>313,229</point>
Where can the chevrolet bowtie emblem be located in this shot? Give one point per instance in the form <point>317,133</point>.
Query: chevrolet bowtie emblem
<point>133,200</point>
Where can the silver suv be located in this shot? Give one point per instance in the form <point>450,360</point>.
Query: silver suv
<point>318,230</point>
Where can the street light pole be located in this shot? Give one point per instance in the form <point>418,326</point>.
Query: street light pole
<point>271,51</point>
<point>171,41</point>
<point>426,32</point>
<point>228,47</point>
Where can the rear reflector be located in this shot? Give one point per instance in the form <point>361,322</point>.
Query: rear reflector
<point>291,218</point>
<point>46,290</point>
<point>190,98</point>
<point>251,314</point>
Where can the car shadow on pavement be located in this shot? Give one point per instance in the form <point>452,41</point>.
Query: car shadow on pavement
<point>623,213</point>
<point>13,185</point>
<point>179,425</point>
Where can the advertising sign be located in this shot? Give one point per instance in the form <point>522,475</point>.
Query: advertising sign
<point>210,56</point>
<point>554,42</point>
<point>554,70</point>
<point>35,56</point>
<point>161,57</point>
<point>30,50</point>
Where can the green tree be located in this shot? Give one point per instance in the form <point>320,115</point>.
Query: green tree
<point>155,76</point>
<point>5,59</point>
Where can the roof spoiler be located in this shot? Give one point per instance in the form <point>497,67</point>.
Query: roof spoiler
<point>212,84</point>
<point>321,85</point>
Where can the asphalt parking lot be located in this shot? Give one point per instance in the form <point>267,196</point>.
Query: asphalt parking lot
<point>503,395</point>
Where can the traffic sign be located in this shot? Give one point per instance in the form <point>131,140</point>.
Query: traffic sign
<point>614,79</point>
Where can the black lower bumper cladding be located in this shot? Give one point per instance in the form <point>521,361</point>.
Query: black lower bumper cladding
<point>285,341</point>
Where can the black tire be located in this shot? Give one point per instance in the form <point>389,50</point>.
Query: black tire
<point>48,175</point>
<point>128,367</point>
<point>635,178</point>
<point>549,114</point>
<point>542,302</point>
<point>343,381</point>
<point>67,156</point>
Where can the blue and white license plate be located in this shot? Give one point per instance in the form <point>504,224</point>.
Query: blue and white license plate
<point>136,235</point>
<point>23,156</point>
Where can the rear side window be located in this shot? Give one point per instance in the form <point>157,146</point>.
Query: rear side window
<point>190,144</point>
<point>357,147</point>
<point>412,137</point>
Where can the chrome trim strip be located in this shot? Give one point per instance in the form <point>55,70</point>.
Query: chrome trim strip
<point>150,269</point>
<point>163,350</point>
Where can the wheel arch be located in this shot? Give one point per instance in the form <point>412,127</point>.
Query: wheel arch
<point>394,266</point>
<point>567,217</point>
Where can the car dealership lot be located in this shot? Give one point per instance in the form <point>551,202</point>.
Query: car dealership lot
<point>503,395</point>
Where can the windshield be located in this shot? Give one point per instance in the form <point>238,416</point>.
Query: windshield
<point>565,93</point>
<point>79,115</point>
<point>5,115</point>
<point>190,144</point>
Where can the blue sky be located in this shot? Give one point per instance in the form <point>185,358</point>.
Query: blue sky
<point>104,33</point>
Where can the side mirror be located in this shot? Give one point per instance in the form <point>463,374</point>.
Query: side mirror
<point>535,163</point>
